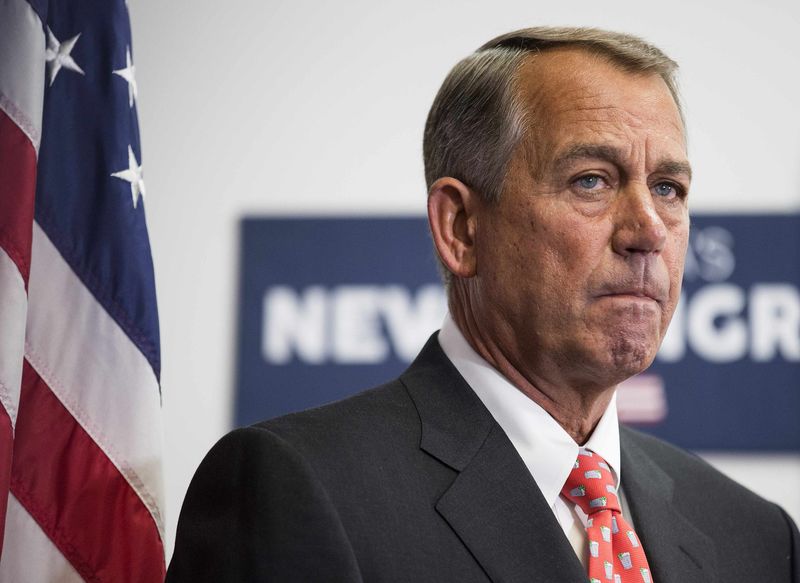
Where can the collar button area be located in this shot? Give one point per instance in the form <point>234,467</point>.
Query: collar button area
<point>590,484</point>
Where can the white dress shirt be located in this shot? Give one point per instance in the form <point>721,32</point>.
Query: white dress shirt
<point>546,448</point>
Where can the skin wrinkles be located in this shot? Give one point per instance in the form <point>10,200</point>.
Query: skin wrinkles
<point>567,284</point>
<point>587,152</point>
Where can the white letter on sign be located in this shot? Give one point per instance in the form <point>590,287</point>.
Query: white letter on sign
<point>357,333</point>
<point>726,342</point>
<point>775,321</point>
<point>294,324</point>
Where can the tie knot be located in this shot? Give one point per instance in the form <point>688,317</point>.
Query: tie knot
<point>590,484</point>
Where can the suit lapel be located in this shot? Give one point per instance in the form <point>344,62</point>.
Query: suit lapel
<point>676,550</point>
<point>493,505</point>
<point>497,510</point>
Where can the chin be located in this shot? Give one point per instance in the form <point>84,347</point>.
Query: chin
<point>626,343</point>
<point>609,360</point>
<point>630,356</point>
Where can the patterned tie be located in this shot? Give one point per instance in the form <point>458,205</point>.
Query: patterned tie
<point>615,553</point>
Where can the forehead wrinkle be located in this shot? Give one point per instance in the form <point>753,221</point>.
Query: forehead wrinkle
<point>601,125</point>
<point>604,115</point>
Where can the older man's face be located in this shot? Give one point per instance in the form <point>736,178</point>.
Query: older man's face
<point>579,265</point>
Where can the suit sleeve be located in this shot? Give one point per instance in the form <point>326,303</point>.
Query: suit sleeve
<point>255,511</point>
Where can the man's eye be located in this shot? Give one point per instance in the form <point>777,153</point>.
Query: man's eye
<point>666,189</point>
<point>589,182</point>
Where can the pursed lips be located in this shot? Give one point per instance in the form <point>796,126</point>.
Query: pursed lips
<point>635,293</point>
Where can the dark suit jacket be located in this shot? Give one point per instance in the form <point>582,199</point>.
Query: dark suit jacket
<point>415,481</point>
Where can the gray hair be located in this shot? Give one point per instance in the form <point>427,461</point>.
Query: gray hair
<point>477,120</point>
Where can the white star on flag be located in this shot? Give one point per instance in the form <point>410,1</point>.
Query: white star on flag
<point>58,55</point>
<point>132,174</point>
<point>128,73</point>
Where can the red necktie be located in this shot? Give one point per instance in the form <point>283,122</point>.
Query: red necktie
<point>615,553</point>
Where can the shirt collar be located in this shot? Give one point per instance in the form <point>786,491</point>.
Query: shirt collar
<point>545,447</point>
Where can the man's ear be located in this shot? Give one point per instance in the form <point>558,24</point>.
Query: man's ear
<point>452,215</point>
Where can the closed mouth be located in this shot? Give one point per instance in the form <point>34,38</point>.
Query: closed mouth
<point>632,294</point>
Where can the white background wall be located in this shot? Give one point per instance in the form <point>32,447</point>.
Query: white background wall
<point>292,107</point>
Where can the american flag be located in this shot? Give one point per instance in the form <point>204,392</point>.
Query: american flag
<point>80,435</point>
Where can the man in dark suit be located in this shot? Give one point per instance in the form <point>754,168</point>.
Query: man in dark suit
<point>558,183</point>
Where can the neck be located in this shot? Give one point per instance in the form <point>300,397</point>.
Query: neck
<point>576,406</point>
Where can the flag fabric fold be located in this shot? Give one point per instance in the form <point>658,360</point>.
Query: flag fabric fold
<point>80,437</point>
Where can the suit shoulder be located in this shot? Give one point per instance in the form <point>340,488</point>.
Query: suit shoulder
<point>375,419</point>
<point>693,475</point>
<point>370,409</point>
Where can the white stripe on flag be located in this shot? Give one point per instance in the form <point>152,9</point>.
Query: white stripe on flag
<point>28,553</point>
<point>12,334</point>
<point>22,67</point>
<point>95,370</point>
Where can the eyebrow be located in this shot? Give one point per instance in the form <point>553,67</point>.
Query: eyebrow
<point>615,156</point>
<point>673,167</point>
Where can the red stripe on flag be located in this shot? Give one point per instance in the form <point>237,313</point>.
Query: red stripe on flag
<point>6,447</point>
<point>17,189</point>
<point>78,497</point>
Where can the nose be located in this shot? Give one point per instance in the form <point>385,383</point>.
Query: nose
<point>638,226</point>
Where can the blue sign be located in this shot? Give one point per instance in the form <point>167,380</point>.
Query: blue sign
<point>329,307</point>
<point>332,306</point>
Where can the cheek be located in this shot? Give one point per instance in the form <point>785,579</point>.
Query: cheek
<point>558,269</point>
<point>677,257</point>
<point>576,250</point>
<point>675,260</point>
<point>546,253</point>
